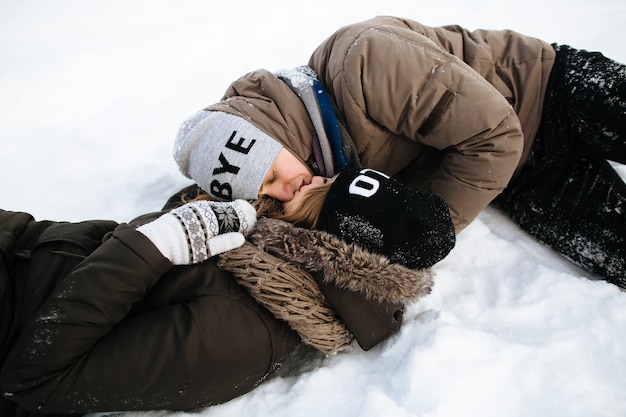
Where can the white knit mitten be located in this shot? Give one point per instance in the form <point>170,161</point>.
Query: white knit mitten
<point>201,229</point>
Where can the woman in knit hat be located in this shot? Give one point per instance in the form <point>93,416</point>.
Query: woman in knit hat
<point>188,311</point>
<point>357,215</point>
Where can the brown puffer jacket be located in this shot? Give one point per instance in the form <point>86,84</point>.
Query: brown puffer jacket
<point>442,109</point>
<point>94,318</point>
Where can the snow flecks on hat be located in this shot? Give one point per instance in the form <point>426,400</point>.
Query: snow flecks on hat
<point>378,213</point>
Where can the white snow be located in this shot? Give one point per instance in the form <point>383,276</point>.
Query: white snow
<point>91,97</point>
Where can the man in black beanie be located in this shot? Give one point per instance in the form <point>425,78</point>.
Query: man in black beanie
<point>378,213</point>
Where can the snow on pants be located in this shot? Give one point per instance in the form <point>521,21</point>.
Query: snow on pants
<point>568,195</point>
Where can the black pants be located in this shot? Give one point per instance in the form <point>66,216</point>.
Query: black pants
<point>568,195</point>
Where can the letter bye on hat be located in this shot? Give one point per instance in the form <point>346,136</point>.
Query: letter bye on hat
<point>226,155</point>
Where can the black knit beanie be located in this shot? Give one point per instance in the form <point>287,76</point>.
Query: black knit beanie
<point>383,216</point>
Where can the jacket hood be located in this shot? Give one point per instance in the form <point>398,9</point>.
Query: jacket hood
<point>269,104</point>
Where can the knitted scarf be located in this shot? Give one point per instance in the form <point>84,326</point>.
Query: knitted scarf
<point>333,148</point>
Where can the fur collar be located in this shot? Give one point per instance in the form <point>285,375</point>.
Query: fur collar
<point>346,265</point>
<point>275,266</point>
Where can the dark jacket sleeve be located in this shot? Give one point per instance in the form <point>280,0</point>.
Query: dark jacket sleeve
<point>371,322</point>
<point>12,225</point>
<point>89,350</point>
<point>57,345</point>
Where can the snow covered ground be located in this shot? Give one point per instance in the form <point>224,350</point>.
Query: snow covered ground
<point>91,96</point>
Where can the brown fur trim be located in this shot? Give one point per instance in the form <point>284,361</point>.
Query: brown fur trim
<point>290,294</point>
<point>347,265</point>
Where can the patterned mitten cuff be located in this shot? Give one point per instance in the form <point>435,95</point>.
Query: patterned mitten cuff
<point>201,229</point>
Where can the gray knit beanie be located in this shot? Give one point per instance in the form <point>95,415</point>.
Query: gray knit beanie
<point>227,156</point>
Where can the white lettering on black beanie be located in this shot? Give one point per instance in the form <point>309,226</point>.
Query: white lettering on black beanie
<point>381,215</point>
<point>227,156</point>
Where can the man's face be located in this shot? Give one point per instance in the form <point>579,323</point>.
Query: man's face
<point>286,176</point>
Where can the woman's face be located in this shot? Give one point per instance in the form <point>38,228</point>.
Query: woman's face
<point>293,205</point>
<point>286,176</point>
